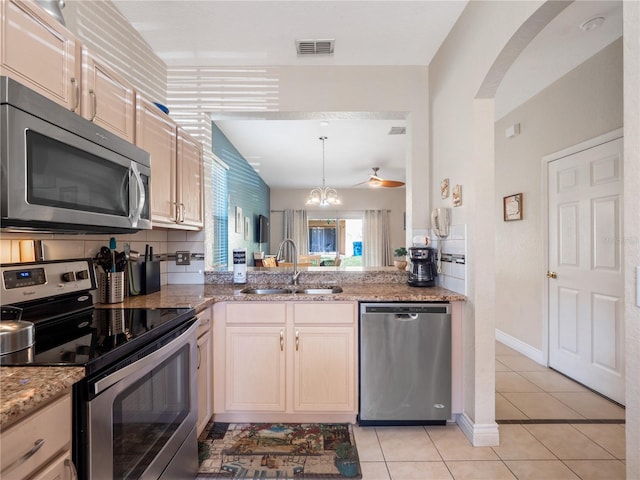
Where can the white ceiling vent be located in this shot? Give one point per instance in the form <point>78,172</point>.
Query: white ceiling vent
<point>314,47</point>
<point>398,131</point>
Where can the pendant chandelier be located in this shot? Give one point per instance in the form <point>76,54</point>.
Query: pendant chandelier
<point>323,196</point>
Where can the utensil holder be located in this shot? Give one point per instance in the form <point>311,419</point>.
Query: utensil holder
<point>111,287</point>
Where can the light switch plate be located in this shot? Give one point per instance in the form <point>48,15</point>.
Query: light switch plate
<point>183,258</point>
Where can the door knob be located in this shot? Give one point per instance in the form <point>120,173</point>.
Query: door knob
<point>552,275</point>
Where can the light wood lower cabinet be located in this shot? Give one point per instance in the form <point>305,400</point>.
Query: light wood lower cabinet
<point>324,369</point>
<point>39,446</point>
<point>280,361</point>
<point>255,368</point>
<point>60,468</point>
<point>205,370</point>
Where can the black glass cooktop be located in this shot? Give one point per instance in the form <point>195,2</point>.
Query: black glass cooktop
<point>96,338</point>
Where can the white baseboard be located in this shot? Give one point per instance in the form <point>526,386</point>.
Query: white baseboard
<point>521,347</point>
<point>479,435</point>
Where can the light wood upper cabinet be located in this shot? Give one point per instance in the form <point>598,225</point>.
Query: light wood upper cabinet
<point>108,99</point>
<point>156,133</point>
<point>40,53</point>
<point>176,169</point>
<point>190,181</point>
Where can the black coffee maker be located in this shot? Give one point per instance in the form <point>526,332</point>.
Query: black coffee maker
<point>422,269</point>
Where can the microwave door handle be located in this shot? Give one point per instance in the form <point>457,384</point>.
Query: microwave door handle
<point>141,196</point>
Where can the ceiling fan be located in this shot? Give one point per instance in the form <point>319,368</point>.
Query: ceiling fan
<point>376,181</point>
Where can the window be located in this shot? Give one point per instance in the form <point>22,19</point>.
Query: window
<point>331,237</point>
<point>220,209</point>
<point>322,237</point>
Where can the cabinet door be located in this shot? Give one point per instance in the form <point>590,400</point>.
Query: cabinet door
<point>190,181</point>
<point>255,368</point>
<point>156,133</point>
<point>40,53</point>
<point>205,370</point>
<point>324,369</point>
<point>30,444</point>
<point>61,468</point>
<point>107,99</point>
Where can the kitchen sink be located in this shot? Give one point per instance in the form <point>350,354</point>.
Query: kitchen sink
<point>317,290</point>
<point>320,290</point>
<point>267,291</point>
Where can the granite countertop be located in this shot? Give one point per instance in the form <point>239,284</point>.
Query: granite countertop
<point>24,389</point>
<point>201,296</point>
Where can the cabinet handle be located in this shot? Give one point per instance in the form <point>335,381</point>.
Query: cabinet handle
<point>181,212</point>
<point>72,468</point>
<point>94,103</point>
<point>297,340</point>
<point>37,445</point>
<point>177,218</point>
<point>76,91</point>
<point>199,358</point>
<point>281,340</point>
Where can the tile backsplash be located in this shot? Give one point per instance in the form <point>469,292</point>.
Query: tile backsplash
<point>453,275</point>
<point>164,242</point>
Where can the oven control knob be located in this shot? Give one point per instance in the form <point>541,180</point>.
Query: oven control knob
<point>82,275</point>
<point>68,277</point>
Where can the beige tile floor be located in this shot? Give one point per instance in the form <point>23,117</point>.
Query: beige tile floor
<point>528,391</point>
<point>527,451</point>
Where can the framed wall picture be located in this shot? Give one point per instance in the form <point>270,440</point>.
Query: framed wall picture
<point>239,224</point>
<point>512,206</point>
<point>444,188</point>
<point>457,195</point>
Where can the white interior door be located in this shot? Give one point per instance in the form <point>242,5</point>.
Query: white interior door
<point>586,284</point>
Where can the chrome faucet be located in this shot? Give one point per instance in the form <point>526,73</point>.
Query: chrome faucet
<point>296,273</point>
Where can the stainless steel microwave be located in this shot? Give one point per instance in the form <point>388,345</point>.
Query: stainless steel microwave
<point>62,173</point>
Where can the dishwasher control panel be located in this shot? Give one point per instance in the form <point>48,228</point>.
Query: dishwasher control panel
<point>407,308</point>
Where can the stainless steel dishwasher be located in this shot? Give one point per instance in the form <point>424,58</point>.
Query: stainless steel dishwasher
<point>405,363</point>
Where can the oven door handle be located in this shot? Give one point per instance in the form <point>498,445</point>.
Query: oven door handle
<point>150,360</point>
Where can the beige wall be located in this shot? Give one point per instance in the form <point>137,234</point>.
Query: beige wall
<point>585,103</point>
<point>457,119</point>
<point>462,150</point>
<point>372,89</point>
<point>354,203</point>
<point>631,28</point>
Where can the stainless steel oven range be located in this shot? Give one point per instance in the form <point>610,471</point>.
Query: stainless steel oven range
<point>135,411</point>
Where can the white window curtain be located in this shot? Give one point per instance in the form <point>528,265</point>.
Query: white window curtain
<point>295,228</point>
<point>376,244</point>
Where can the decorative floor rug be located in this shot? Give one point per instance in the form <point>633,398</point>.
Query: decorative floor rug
<point>285,451</point>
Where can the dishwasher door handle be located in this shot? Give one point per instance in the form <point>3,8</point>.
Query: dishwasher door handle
<point>406,317</point>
